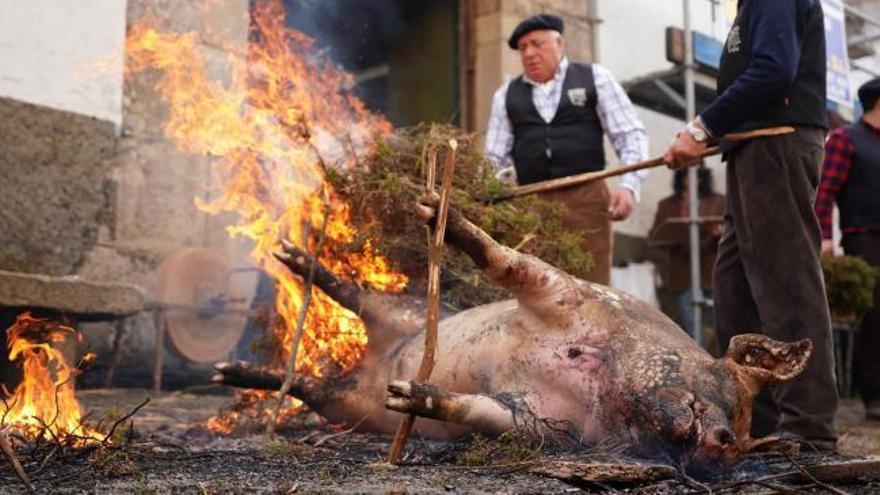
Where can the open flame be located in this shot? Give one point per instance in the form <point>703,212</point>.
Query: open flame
<point>286,116</point>
<point>43,404</point>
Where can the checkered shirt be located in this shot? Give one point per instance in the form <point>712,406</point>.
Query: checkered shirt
<point>839,153</point>
<point>616,114</point>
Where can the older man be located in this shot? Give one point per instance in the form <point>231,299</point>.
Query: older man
<point>549,122</point>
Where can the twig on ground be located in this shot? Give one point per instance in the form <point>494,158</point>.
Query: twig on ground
<point>776,487</point>
<point>341,433</point>
<point>308,436</point>
<point>692,482</point>
<point>123,419</point>
<point>9,454</point>
<point>812,478</point>
<point>755,481</point>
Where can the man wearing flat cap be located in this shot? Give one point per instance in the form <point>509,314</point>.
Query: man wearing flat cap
<point>851,178</point>
<point>549,123</point>
<point>768,278</point>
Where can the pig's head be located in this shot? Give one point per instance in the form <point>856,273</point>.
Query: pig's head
<point>705,422</point>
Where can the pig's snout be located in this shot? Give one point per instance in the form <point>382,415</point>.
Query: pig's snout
<point>717,448</point>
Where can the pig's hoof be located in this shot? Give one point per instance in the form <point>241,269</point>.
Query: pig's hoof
<point>400,387</point>
<point>416,398</point>
<point>427,205</point>
<point>400,397</point>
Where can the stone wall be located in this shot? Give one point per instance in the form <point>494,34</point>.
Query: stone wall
<point>55,189</point>
<point>154,184</point>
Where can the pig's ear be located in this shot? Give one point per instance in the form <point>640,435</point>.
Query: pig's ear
<point>763,360</point>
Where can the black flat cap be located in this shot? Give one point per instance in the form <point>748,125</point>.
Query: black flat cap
<point>869,93</point>
<point>534,23</point>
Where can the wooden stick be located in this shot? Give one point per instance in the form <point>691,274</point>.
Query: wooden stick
<point>435,253</point>
<point>572,180</point>
<point>9,454</point>
<point>290,365</point>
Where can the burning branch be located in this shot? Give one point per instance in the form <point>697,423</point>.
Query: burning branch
<point>290,366</point>
<point>435,255</point>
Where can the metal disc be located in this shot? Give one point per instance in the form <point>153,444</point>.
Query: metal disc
<point>202,304</point>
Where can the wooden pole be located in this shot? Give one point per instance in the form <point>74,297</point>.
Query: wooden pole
<point>572,180</point>
<point>290,365</point>
<point>435,253</point>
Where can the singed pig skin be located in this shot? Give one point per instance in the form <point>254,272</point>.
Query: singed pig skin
<point>604,365</point>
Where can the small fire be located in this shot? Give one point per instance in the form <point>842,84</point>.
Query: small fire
<point>43,404</point>
<point>286,116</point>
<point>250,410</point>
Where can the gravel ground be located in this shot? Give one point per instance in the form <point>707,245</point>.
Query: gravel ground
<point>168,452</point>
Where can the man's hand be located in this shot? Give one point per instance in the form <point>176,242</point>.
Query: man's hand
<point>827,246</point>
<point>621,204</point>
<point>684,151</point>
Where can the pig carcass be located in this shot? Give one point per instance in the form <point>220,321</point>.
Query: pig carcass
<point>564,358</point>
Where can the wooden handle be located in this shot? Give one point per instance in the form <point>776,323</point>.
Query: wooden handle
<point>572,180</point>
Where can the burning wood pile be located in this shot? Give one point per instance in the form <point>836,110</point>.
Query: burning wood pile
<point>299,158</point>
<point>41,415</point>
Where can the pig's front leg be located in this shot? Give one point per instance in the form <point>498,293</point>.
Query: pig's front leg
<point>480,412</point>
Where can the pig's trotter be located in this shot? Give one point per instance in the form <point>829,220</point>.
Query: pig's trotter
<point>479,412</point>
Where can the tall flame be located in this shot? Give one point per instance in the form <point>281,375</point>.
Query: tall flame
<point>44,402</point>
<point>286,115</point>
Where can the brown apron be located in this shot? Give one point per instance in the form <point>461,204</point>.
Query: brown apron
<point>586,211</point>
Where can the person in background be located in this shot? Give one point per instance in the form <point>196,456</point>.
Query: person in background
<point>851,178</point>
<point>550,122</point>
<point>768,278</point>
<point>670,231</point>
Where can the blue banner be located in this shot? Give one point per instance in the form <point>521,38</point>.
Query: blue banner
<point>839,90</point>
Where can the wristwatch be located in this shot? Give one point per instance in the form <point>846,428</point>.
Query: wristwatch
<point>697,132</point>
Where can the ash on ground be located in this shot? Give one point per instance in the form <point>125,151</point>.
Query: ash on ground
<point>167,450</point>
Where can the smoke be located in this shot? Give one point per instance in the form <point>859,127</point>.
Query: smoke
<point>357,33</point>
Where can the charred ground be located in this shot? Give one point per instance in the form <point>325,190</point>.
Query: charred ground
<point>166,450</point>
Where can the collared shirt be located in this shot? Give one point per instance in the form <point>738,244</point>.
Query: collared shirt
<point>616,114</point>
<point>839,153</point>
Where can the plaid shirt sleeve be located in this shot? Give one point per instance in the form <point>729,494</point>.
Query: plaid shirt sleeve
<point>499,133</point>
<point>622,125</point>
<point>839,152</point>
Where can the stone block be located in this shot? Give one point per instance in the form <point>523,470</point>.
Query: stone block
<point>70,295</point>
<point>483,7</point>
<point>53,190</point>
<point>488,29</point>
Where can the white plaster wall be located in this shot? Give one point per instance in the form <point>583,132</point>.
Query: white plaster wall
<point>50,51</point>
<point>632,33</point>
